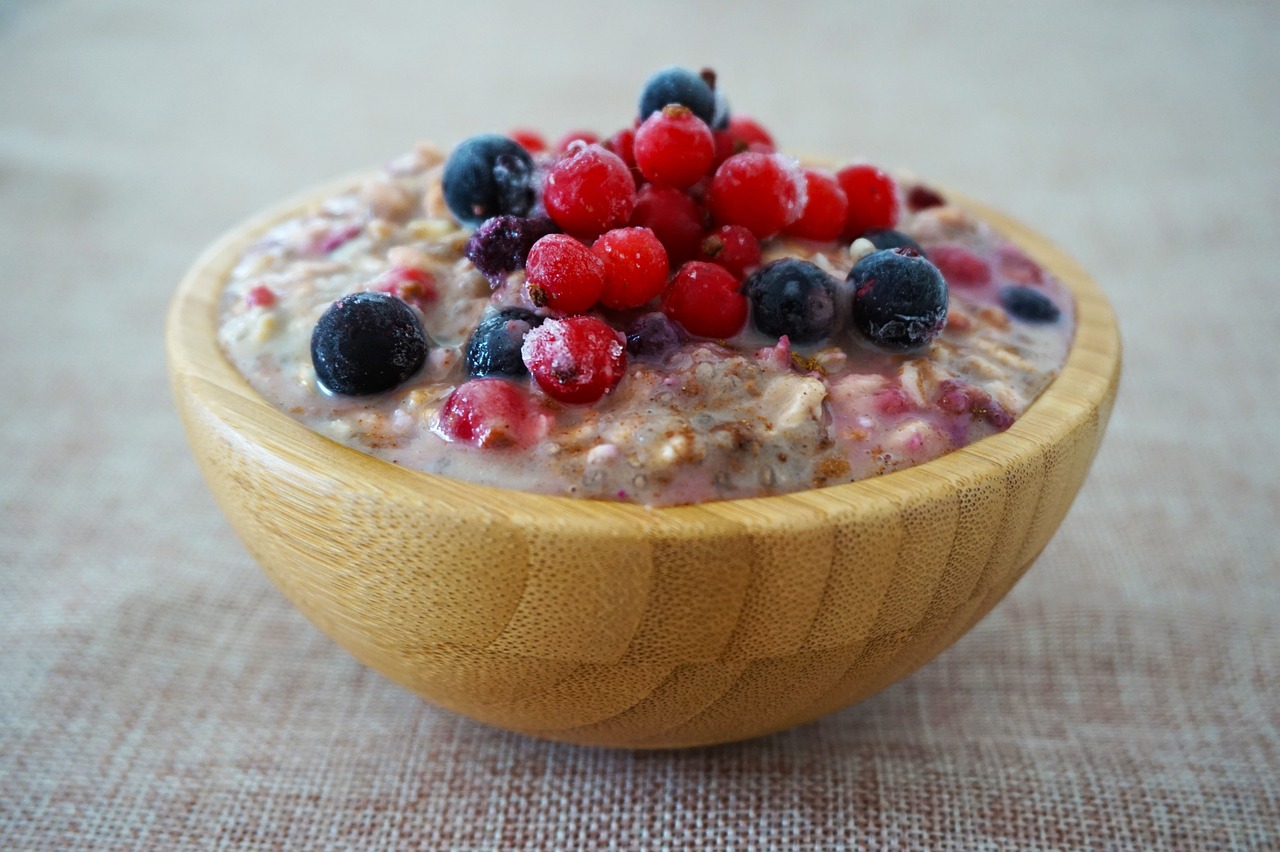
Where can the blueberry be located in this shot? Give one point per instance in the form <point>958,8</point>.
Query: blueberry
<point>652,336</point>
<point>1029,305</point>
<point>678,86</point>
<point>494,347</point>
<point>899,299</point>
<point>887,238</point>
<point>792,297</point>
<point>502,244</point>
<point>488,175</point>
<point>720,119</point>
<point>367,343</point>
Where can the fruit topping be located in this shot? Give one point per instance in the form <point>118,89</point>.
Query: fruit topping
<point>674,147</point>
<point>792,297</point>
<point>1029,305</point>
<point>733,247</point>
<point>530,140</point>
<point>488,175</point>
<point>674,218</point>
<point>899,299</point>
<point>652,336</point>
<point>501,245</point>
<point>567,141</point>
<point>575,360</point>
<point>635,267</point>
<point>750,132</point>
<point>678,86</point>
<point>922,198</point>
<point>1017,267</point>
<point>410,284</point>
<point>888,238</point>
<point>491,413</point>
<point>873,199</point>
<point>589,191</point>
<point>704,298</point>
<point>762,192</point>
<point>261,296</point>
<point>494,346</point>
<point>825,211</point>
<point>961,267</point>
<point>367,343</point>
<point>563,274</point>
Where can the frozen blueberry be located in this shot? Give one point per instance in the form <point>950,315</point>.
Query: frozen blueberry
<point>488,175</point>
<point>652,336</point>
<point>494,347</point>
<point>899,299</point>
<point>720,120</point>
<point>502,244</point>
<point>367,343</point>
<point>678,86</point>
<point>792,297</point>
<point>1029,305</point>
<point>887,238</point>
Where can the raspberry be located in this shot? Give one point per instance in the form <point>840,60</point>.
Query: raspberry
<point>565,142</point>
<point>733,247</point>
<point>921,197</point>
<point>704,298</point>
<point>491,413</point>
<point>260,297</point>
<point>674,147</point>
<point>673,217</point>
<point>563,274</point>
<point>530,140</point>
<point>575,360</point>
<point>762,192</point>
<point>825,211</point>
<point>873,199</point>
<point>635,267</point>
<point>589,191</point>
<point>959,266</point>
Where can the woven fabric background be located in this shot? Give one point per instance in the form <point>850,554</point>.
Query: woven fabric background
<point>157,693</point>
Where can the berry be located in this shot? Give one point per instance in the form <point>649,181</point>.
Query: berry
<point>888,238</point>
<point>674,147</point>
<point>825,210</point>
<point>494,346</point>
<point>873,199</point>
<point>792,297</point>
<point>1016,266</point>
<point>491,413</point>
<point>899,299</point>
<point>366,343</point>
<point>488,175</point>
<point>576,359</point>
<point>623,144</point>
<point>673,217</point>
<point>530,140</point>
<point>704,298</point>
<point>922,198</point>
<point>635,267</point>
<point>565,142</point>
<point>563,274</point>
<point>1029,305</point>
<point>589,191</point>
<point>652,336</point>
<point>410,284</point>
<point>261,296</point>
<point>762,192</point>
<point>750,132</point>
<point>733,247</point>
<point>501,245</point>
<point>678,86</point>
<point>720,118</point>
<point>961,267</point>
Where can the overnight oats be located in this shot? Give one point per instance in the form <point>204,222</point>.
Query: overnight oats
<point>675,314</point>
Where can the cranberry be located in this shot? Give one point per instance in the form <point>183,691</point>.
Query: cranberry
<point>704,298</point>
<point>674,147</point>
<point>589,191</point>
<point>959,266</point>
<point>575,360</point>
<point>530,140</point>
<point>563,274</point>
<point>491,413</point>
<point>873,199</point>
<point>673,217</point>
<point>733,247</point>
<point>635,267</point>
<point>762,192</point>
<point>826,208</point>
<point>260,297</point>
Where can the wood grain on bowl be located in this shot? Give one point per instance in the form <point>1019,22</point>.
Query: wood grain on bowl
<point>613,624</point>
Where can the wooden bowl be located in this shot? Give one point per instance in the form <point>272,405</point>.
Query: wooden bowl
<point>613,624</point>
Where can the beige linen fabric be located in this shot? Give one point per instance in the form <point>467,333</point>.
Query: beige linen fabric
<point>157,693</point>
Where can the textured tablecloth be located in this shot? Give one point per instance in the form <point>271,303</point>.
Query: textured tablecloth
<point>157,692</point>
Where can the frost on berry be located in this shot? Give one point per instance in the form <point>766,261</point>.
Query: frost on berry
<point>576,360</point>
<point>501,245</point>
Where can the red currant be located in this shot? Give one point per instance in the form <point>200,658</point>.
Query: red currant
<point>1016,266</point>
<point>260,297</point>
<point>921,197</point>
<point>584,136</point>
<point>635,267</point>
<point>704,298</point>
<point>413,285</point>
<point>589,191</point>
<point>959,266</point>
<point>563,274</point>
<point>674,217</point>
<point>762,192</point>
<point>530,140</point>
<point>491,413</point>
<point>826,208</point>
<point>733,247</point>
<point>873,199</point>
<point>674,147</point>
<point>576,359</point>
<point>750,132</point>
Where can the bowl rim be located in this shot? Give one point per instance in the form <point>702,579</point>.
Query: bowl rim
<point>1083,390</point>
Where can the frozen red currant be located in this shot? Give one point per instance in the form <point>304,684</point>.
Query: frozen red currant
<point>530,140</point>
<point>576,359</point>
<point>409,283</point>
<point>749,132</point>
<point>959,266</point>
<point>565,142</point>
<point>491,413</point>
<point>589,191</point>
<point>674,147</point>
<point>563,274</point>
<point>733,247</point>
<point>873,199</point>
<point>674,217</point>
<point>921,197</point>
<point>261,296</point>
<point>704,298</point>
<point>635,267</point>
<point>761,192</point>
<point>826,208</point>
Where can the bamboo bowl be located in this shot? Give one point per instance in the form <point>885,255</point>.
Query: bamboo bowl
<point>617,625</point>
